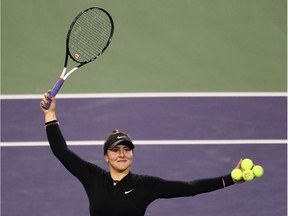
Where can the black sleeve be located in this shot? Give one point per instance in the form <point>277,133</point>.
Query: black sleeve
<point>170,189</point>
<point>72,162</point>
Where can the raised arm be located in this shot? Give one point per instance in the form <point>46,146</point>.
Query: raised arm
<point>72,162</point>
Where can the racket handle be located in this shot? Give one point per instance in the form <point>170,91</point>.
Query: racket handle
<point>54,92</point>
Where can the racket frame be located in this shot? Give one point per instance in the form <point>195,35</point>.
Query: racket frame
<point>65,75</point>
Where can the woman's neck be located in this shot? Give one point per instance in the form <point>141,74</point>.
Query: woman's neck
<point>118,176</point>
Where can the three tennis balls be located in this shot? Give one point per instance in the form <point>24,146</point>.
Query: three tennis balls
<point>248,171</point>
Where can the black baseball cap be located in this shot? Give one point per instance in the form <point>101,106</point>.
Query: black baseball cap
<point>117,137</point>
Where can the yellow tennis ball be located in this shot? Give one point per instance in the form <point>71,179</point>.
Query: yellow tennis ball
<point>258,171</point>
<point>237,174</point>
<point>247,164</point>
<point>248,175</point>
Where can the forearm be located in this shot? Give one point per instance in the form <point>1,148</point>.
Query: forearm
<point>56,140</point>
<point>209,185</point>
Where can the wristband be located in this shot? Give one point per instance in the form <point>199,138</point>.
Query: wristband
<point>51,123</point>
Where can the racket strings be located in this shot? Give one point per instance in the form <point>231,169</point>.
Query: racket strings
<point>90,35</point>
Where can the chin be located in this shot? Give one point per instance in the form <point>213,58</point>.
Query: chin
<point>122,168</point>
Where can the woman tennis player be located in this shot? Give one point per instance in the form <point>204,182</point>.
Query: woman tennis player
<point>119,191</point>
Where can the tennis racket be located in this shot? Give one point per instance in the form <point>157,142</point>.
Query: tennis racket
<point>89,35</point>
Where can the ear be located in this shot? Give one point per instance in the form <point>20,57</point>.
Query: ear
<point>106,158</point>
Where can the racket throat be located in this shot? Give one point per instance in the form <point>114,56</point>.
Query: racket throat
<point>68,74</point>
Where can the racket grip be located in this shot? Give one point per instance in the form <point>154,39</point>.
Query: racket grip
<point>54,92</point>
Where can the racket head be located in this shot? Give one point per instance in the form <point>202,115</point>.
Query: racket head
<point>89,35</point>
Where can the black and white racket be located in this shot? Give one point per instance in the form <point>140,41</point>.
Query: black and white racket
<point>88,37</point>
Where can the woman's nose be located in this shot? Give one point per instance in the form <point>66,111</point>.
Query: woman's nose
<point>122,154</point>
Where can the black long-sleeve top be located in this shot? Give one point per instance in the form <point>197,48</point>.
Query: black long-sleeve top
<point>130,196</point>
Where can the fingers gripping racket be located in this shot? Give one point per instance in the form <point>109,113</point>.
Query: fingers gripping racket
<point>88,37</point>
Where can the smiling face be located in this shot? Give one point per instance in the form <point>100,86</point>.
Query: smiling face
<point>119,159</point>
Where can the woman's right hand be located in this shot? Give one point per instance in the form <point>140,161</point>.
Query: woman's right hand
<point>50,114</point>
